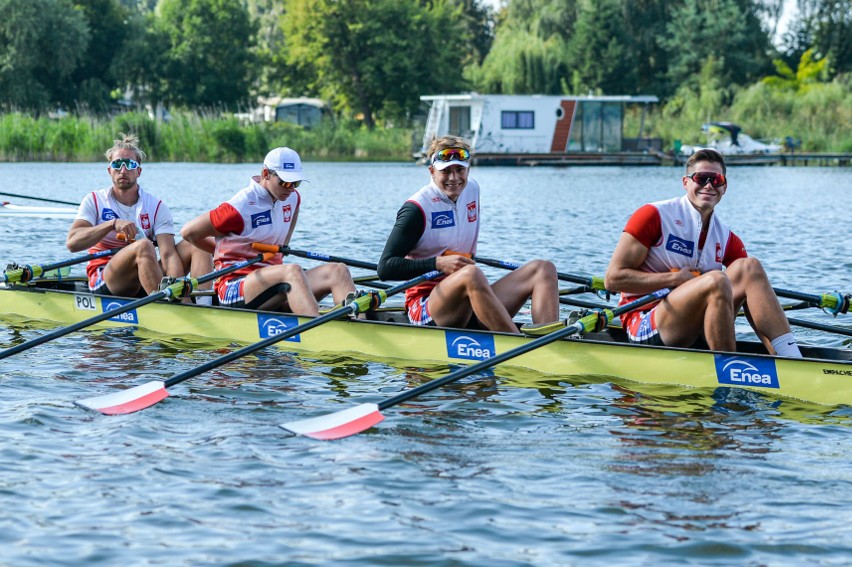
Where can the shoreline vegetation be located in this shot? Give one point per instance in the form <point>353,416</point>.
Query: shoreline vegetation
<point>817,116</point>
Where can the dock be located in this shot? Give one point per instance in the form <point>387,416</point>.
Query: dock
<point>654,158</point>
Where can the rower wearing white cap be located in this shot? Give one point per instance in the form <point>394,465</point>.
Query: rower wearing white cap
<point>437,229</point>
<point>266,212</point>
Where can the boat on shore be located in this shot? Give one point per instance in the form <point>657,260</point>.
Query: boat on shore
<point>8,209</point>
<point>824,376</point>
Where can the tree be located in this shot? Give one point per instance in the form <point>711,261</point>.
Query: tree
<point>727,30</point>
<point>209,59</point>
<point>599,51</point>
<point>529,53</point>
<point>825,26</point>
<point>41,44</point>
<point>376,57</point>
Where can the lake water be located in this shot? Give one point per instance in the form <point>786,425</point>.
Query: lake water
<point>573,472</point>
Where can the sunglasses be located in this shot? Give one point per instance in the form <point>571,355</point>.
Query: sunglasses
<point>450,154</point>
<point>130,164</point>
<point>286,184</point>
<point>702,177</point>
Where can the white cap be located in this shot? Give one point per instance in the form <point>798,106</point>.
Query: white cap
<point>286,164</point>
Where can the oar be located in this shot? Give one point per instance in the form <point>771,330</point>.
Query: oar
<point>146,395</point>
<point>41,199</point>
<point>833,302</point>
<point>820,326</point>
<point>594,283</point>
<point>358,418</point>
<point>171,291</point>
<point>23,274</point>
<point>313,255</point>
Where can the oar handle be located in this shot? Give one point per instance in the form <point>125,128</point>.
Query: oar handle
<point>313,255</point>
<point>358,305</point>
<point>586,323</point>
<point>24,274</point>
<point>596,283</point>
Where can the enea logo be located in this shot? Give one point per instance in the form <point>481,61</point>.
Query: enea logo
<point>746,371</point>
<point>108,214</point>
<point>680,246</point>
<point>470,346</point>
<point>272,325</point>
<point>261,219</point>
<point>110,303</point>
<point>443,219</point>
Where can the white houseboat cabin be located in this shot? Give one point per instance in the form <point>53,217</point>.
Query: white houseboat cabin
<point>536,124</point>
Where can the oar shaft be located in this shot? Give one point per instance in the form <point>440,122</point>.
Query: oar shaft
<point>358,305</point>
<point>40,199</point>
<point>313,255</point>
<point>593,282</point>
<point>122,309</point>
<point>577,327</point>
<point>16,274</point>
<point>820,326</point>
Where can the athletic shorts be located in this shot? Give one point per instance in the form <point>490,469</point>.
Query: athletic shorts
<point>641,327</point>
<point>230,292</point>
<point>97,283</point>
<point>418,311</point>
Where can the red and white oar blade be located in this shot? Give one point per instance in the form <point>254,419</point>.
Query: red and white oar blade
<point>338,424</point>
<point>127,401</point>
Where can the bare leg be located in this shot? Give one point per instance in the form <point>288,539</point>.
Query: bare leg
<point>134,266</point>
<point>702,305</point>
<point>468,292</point>
<point>300,298</point>
<point>536,280</point>
<point>751,288</point>
<point>333,278</point>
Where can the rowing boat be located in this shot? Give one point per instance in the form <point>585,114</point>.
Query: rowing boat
<point>9,210</point>
<point>823,377</point>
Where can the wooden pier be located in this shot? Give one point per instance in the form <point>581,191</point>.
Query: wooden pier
<point>654,158</point>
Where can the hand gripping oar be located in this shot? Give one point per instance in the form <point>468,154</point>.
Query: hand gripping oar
<point>358,418</point>
<point>41,199</point>
<point>146,395</point>
<point>174,290</point>
<point>22,274</point>
<point>594,283</point>
<point>834,302</point>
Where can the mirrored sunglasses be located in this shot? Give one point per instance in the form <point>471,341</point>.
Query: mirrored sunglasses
<point>286,184</point>
<point>702,177</point>
<point>130,164</point>
<point>450,154</point>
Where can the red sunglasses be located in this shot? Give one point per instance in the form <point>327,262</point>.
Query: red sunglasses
<point>702,177</point>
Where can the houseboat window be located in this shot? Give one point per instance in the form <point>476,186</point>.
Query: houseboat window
<point>517,120</point>
<point>460,121</point>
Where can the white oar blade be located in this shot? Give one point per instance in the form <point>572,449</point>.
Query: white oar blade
<point>338,424</point>
<point>127,401</point>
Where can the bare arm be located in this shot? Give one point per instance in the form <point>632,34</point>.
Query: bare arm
<point>624,275</point>
<point>169,257</point>
<point>200,233</point>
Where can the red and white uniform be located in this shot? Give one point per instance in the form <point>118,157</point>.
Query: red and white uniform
<point>151,216</point>
<point>449,227</point>
<point>671,230</point>
<point>252,215</point>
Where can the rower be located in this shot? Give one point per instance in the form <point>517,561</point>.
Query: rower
<point>437,229</point>
<point>266,212</point>
<point>681,244</point>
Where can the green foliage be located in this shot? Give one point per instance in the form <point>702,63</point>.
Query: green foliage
<point>598,51</point>
<point>195,137</point>
<point>376,57</point>
<point>41,43</point>
<point>209,60</point>
<point>809,72</point>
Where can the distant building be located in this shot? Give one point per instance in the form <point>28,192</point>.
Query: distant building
<point>536,124</point>
<point>307,112</point>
